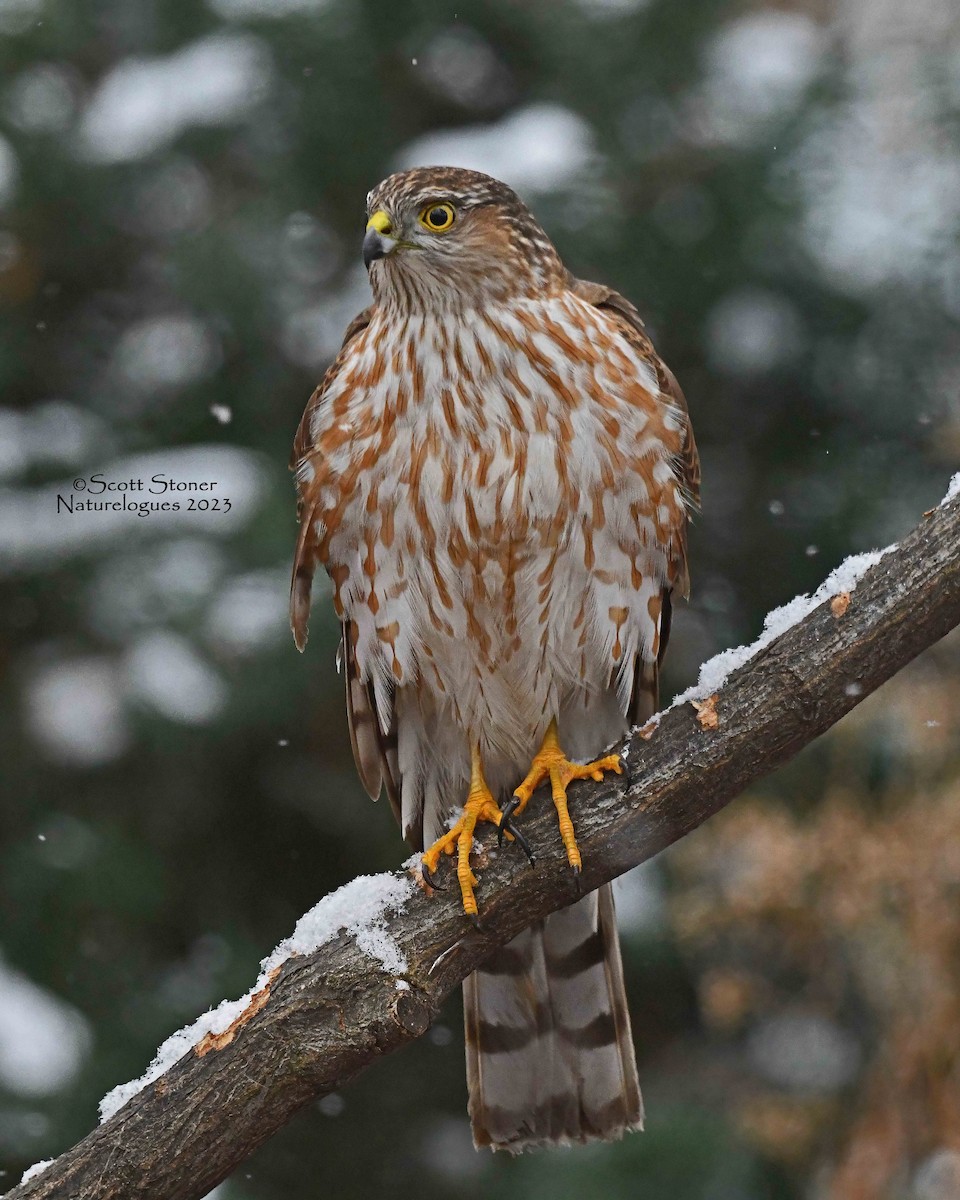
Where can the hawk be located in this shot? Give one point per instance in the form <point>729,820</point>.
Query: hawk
<point>496,474</point>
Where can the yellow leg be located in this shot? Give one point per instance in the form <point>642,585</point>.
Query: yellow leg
<point>551,763</point>
<point>480,806</point>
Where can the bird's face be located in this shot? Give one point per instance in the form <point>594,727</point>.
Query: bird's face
<point>440,235</point>
<point>423,224</point>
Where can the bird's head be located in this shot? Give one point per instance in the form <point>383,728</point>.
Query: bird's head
<point>447,237</point>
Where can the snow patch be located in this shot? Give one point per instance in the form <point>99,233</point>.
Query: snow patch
<point>74,710</point>
<point>540,147</point>
<point>143,104</point>
<point>164,673</point>
<point>9,172</point>
<point>717,670</point>
<point>164,353</point>
<point>359,907</point>
<point>264,10</point>
<point>251,611</point>
<point>37,1169</point>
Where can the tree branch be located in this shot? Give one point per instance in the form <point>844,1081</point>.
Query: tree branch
<point>327,1015</point>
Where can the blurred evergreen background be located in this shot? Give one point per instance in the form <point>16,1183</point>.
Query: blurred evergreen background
<point>181,206</point>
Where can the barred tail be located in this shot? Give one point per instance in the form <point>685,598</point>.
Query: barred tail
<point>550,1056</point>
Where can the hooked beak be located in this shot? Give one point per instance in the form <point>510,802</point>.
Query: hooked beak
<point>377,241</point>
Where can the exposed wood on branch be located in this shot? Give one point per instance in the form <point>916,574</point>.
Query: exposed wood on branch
<point>328,1015</point>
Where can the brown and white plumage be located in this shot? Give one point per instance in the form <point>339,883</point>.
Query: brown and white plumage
<point>496,473</point>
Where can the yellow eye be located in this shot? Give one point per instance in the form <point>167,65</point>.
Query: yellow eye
<point>437,217</point>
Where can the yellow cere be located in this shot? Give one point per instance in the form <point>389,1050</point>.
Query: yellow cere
<point>437,217</point>
<point>380,222</point>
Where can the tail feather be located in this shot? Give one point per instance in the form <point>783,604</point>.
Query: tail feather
<point>549,1050</point>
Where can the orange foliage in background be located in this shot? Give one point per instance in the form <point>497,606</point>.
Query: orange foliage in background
<point>825,939</point>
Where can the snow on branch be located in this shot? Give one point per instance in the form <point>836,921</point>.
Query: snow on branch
<point>359,908</point>
<point>368,968</point>
<point>715,671</point>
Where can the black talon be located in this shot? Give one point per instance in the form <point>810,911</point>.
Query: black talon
<point>475,922</point>
<point>523,843</point>
<point>507,826</point>
<point>509,809</point>
<point>576,879</point>
<point>430,880</point>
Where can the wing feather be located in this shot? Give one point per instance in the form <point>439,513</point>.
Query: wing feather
<point>687,463</point>
<point>374,748</point>
<point>305,558</point>
<point>373,735</point>
<point>645,698</point>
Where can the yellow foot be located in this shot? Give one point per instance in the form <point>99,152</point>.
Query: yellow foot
<point>551,763</point>
<point>480,806</point>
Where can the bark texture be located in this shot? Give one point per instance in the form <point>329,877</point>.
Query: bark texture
<point>327,1016</point>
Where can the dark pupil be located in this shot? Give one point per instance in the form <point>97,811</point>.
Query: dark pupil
<point>437,216</point>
